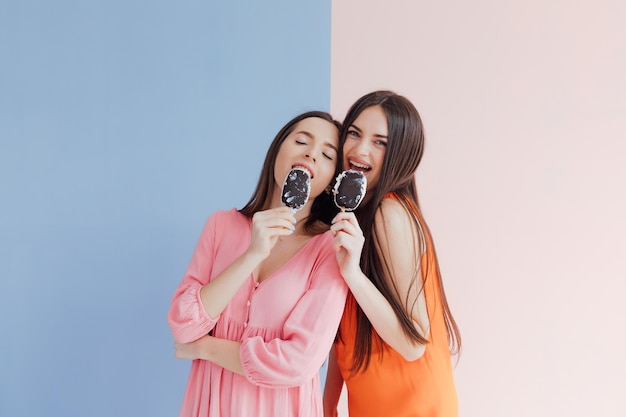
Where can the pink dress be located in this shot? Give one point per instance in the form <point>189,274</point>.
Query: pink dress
<point>286,325</point>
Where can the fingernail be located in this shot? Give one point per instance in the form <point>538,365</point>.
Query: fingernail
<point>293,210</point>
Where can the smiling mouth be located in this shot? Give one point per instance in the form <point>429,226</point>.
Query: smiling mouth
<point>355,166</point>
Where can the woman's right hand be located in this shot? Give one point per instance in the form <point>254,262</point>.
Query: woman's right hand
<point>267,227</point>
<point>348,242</point>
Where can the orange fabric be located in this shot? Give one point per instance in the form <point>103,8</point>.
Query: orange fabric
<point>391,386</point>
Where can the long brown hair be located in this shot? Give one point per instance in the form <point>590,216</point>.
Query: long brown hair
<point>405,147</point>
<point>322,209</point>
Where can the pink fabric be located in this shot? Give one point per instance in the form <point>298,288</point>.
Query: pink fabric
<point>286,325</point>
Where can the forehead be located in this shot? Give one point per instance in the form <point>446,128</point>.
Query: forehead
<point>372,119</point>
<point>318,129</point>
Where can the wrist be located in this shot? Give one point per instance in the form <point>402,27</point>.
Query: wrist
<point>252,257</point>
<point>355,278</point>
<point>206,350</point>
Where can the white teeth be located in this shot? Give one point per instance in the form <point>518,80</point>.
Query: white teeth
<point>359,165</point>
<point>303,169</point>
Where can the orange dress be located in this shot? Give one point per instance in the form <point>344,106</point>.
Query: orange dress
<point>392,386</point>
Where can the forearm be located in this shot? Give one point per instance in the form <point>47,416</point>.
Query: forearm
<point>216,295</point>
<point>382,317</point>
<point>222,352</point>
<point>333,385</point>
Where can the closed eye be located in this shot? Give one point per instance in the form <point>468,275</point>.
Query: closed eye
<point>330,158</point>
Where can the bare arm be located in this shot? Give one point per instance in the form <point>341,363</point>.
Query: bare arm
<point>397,239</point>
<point>308,333</point>
<point>223,352</point>
<point>198,303</point>
<point>267,226</point>
<point>333,385</point>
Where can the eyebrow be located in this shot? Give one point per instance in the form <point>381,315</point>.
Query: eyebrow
<point>378,135</point>
<point>310,135</point>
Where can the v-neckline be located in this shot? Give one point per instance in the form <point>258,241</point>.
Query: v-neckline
<point>286,263</point>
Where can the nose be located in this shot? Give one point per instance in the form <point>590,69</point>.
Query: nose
<point>311,153</point>
<point>362,148</point>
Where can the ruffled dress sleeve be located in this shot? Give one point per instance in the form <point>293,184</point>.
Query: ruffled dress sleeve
<point>187,317</point>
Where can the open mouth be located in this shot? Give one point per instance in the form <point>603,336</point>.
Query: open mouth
<point>304,168</point>
<point>356,166</point>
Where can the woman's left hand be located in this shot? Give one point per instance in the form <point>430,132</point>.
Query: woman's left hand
<point>348,243</point>
<point>192,350</point>
<point>222,352</point>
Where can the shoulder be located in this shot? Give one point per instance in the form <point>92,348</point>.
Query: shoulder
<point>397,229</point>
<point>320,249</point>
<point>322,259</point>
<point>323,243</point>
<point>228,215</point>
<point>393,215</point>
<point>227,220</point>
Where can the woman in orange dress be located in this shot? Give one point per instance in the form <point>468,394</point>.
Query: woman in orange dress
<point>397,334</point>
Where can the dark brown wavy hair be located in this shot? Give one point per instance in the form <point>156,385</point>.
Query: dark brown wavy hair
<point>405,147</point>
<point>323,209</point>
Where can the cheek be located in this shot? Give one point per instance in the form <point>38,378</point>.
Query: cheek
<point>380,157</point>
<point>329,172</point>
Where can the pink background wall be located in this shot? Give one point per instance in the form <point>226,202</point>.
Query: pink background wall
<point>523,183</point>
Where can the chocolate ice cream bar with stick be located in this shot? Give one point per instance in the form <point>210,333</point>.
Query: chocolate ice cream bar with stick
<point>296,188</point>
<point>349,189</point>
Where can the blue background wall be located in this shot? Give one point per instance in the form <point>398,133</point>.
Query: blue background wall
<point>123,124</point>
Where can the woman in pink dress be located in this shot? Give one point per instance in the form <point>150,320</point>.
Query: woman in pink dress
<point>261,300</point>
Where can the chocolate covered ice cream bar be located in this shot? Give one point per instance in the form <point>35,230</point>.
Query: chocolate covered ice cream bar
<point>349,190</point>
<point>296,188</point>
